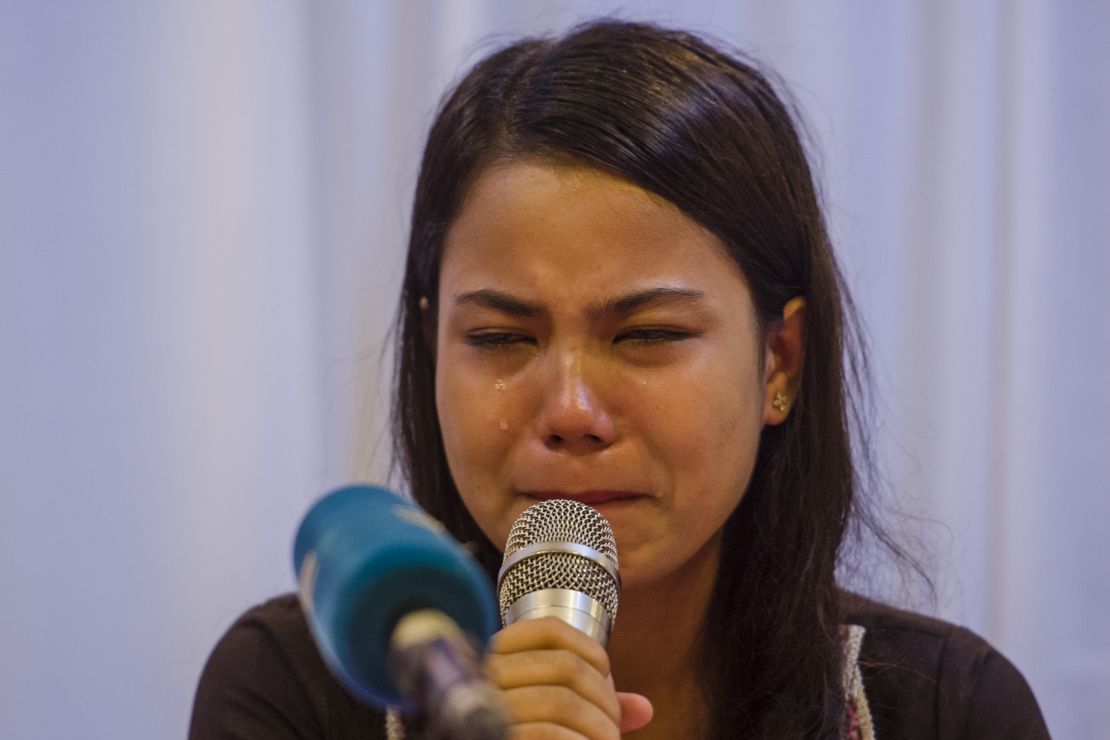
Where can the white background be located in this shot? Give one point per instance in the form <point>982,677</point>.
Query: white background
<point>203,209</point>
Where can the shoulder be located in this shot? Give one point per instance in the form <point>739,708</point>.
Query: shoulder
<point>265,678</point>
<point>928,678</point>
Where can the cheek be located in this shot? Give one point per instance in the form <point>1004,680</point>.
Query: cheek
<point>717,453</point>
<point>713,411</point>
<point>710,431</point>
<point>469,410</point>
<point>477,430</point>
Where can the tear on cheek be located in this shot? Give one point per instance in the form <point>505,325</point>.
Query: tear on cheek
<point>504,425</point>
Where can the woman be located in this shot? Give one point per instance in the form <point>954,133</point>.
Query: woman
<point>620,289</point>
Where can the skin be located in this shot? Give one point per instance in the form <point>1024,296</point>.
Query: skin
<point>593,342</point>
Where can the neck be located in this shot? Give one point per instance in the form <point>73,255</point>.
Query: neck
<point>655,645</point>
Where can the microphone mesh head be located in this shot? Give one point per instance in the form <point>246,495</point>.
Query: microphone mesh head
<point>560,520</point>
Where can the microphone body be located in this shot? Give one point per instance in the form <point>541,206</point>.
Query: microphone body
<point>561,561</point>
<point>393,603</point>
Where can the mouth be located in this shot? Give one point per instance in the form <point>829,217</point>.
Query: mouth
<point>591,498</point>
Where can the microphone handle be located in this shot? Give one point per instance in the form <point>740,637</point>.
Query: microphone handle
<point>437,668</point>
<point>573,607</point>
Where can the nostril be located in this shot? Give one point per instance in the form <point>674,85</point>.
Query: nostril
<point>584,441</point>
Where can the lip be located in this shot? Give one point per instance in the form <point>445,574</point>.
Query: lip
<point>592,498</point>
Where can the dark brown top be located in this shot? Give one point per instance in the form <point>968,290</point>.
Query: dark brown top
<point>924,679</point>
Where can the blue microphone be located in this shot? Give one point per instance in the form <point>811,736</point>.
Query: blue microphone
<point>397,608</point>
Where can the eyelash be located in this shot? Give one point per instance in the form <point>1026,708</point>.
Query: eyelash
<point>653,335</point>
<point>496,339</point>
<point>646,336</point>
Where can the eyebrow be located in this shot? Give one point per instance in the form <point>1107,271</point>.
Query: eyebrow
<point>627,304</point>
<point>509,304</point>
<point>498,301</point>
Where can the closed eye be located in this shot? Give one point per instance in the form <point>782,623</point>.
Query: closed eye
<point>497,339</point>
<point>652,335</point>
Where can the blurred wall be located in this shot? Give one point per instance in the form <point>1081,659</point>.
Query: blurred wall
<point>203,210</point>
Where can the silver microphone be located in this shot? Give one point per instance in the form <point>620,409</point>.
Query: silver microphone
<point>561,561</point>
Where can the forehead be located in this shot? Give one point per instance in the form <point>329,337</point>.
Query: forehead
<point>562,229</point>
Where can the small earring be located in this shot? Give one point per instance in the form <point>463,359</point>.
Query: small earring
<point>780,402</point>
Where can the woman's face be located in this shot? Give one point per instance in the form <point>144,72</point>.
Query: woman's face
<point>594,343</point>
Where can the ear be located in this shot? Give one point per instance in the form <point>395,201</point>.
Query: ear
<point>428,324</point>
<point>783,357</point>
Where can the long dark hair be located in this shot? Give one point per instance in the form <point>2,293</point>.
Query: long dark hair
<point>674,115</point>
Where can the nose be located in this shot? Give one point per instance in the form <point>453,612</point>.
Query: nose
<point>573,417</point>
